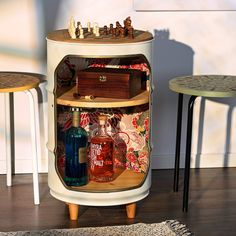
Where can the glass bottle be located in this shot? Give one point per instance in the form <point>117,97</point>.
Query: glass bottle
<point>76,140</point>
<point>101,154</point>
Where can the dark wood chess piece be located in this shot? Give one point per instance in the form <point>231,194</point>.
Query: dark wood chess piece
<point>118,25</point>
<point>105,30</point>
<point>111,29</point>
<point>122,32</point>
<point>77,32</point>
<point>117,32</point>
<point>130,32</point>
<point>113,32</point>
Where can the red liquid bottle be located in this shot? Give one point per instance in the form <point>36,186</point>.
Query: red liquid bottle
<point>101,154</point>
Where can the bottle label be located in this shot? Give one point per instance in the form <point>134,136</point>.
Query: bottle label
<point>82,155</point>
<point>95,151</point>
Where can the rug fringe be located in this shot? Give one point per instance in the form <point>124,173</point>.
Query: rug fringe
<point>178,228</point>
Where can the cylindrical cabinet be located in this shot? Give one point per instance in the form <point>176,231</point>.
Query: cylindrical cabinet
<point>129,118</point>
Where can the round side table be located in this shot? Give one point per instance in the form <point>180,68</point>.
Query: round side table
<point>11,82</point>
<point>218,86</point>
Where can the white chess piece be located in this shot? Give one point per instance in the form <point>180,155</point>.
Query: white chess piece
<point>72,28</point>
<point>81,33</point>
<point>97,34</point>
<point>89,26</point>
<point>95,25</point>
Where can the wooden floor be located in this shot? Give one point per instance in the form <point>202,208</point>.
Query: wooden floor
<point>212,208</point>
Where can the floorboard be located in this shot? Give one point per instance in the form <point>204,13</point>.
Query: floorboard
<point>212,204</point>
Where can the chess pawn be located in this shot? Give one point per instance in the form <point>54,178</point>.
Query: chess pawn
<point>97,34</point>
<point>77,29</point>
<point>105,30</point>
<point>89,27</point>
<point>111,29</point>
<point>78,24</point>
<point>95,25</point>
<point>81,33</point>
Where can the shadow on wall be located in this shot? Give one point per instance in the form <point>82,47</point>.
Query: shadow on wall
<point>170,59</point>
<point>231,104</point>
<point>50,11</point>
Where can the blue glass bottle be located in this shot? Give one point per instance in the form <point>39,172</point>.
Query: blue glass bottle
<point>76,140</point>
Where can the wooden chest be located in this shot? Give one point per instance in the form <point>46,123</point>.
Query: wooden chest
<point>111,82</point>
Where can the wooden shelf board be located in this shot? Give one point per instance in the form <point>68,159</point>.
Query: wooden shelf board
<point>67,99</point>
<point>124,180</point>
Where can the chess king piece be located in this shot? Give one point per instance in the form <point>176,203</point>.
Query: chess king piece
<point>127,25</point>
<point>72,28</point>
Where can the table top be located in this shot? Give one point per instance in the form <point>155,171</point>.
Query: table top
<point>63,36</point>
<point>205,85</point>
<point>18,81</point>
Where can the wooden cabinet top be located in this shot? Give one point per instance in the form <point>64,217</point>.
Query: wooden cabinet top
<point>63,36</point>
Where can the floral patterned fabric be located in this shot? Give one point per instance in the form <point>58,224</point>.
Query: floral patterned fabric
<point>129,128</point>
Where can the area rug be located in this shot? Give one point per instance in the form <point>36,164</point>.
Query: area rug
<point>166,228</point>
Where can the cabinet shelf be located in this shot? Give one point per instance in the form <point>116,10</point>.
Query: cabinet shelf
<point>125,180</point>
<point>67,99</point>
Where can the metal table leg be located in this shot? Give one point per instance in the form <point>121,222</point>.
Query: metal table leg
<point>188,152</point>
<point>178,142</point>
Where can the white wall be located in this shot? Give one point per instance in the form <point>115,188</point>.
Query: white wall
<point>186,42</point>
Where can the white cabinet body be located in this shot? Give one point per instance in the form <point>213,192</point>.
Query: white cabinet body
<point>57,50</point>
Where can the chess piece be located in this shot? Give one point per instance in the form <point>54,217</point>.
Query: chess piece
<point>130,32</point>
<point>127,22</point>
<point>113,32</point>
<point>122,32</point>
<point>72,28</point>
<point>105,30</point>
<point>77,29</point>
<point>97,34</point>
<point>117,31</point>
<point>118,25</point>
<point>111,29</point>
<point>95,25</point>
<point>89,27</point>
<point>81,33</point>
<point>127,25</point>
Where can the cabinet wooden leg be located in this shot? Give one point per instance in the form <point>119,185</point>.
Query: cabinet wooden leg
<point>74,211</point>
<point>130,210</point>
